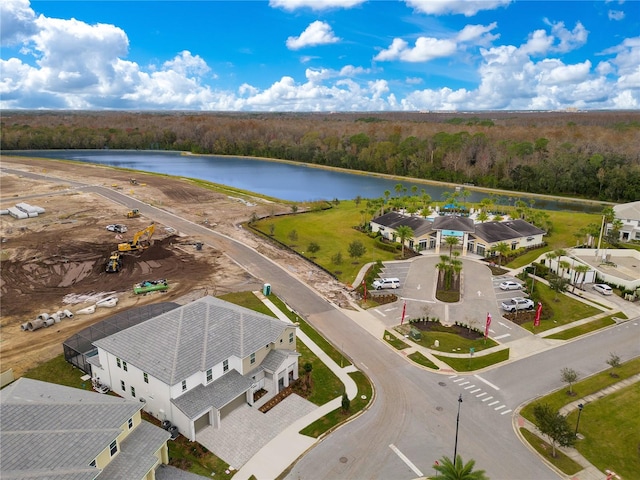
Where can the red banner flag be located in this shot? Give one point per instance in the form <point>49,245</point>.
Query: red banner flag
<point>364,284</point>
<point>536,322</point>
<point>486,328</point>
<point>404,311</point>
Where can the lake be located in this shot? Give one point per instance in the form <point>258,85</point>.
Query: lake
<point>286,181</point>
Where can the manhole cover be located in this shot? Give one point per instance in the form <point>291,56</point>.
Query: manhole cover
<point>439,409</point>
<point>442,384</point>
<point>344,459</point>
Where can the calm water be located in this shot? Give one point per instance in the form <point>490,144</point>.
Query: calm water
<point>280,180</point>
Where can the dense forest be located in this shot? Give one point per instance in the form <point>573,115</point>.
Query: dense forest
<point>582,154</point>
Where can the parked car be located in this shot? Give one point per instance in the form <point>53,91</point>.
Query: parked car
<point>117,228</point>
<point>509,285</point>
<point>603,288</point>
<point>517,303</point>
<point>386,283</point>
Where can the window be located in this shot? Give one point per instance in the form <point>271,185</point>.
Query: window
<point>145,377</point>
<point>253,358</point>
<point>130,423</point>
<point>290,337</point>
<point>124,366</point>
<point>184,385</point>
<point>123,386</point>
<point>225,366</point>
<point>113,448</point>
<point>118,363</point>
<point>209,375</point>
<point>133,391</point>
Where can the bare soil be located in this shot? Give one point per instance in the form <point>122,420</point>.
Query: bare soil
<point>57,260</point>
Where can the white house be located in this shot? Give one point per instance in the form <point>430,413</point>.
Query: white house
<point>629,215</point>
<point>195,364</point>
<point>50,431</point>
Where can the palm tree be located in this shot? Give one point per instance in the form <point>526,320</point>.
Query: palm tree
<point>404,232</point>
<point>483,216</point>
<point>458,471</point>
<point>581,271</point>
<point>502,249</point>
<point>398,188</point>
<point>451,241</point>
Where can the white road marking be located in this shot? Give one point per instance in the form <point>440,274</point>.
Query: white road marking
<point>487,382</point>
<point>390,309</point>
<point>406,460</point>
<point>505,325</point>
<point>492,330</point>
<point>502,336</point>
<point>378,311</point>
<point>493,403</point>
<point>458,380</point>
<point>463,383</point>
<point>470,386</point>
<point>476,390</point>
<point>453,376</point>
<point>365,366</point>
<point>418,287</point>
<point>499,408</point>
<point>486,399</point>
<point>505,412</point>
<point>417,300</point>
<point>481,394</point>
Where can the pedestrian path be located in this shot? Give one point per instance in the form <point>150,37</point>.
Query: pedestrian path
<point>474,385</point>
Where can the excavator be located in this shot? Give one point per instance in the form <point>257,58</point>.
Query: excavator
<point>137,245</point>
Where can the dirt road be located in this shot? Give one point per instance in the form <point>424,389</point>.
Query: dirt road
<point>57,260</point>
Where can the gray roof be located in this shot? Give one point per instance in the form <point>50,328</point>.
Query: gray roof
<point>137,453</point>
<point>274,359</point>
<point>627,211</point>
<point>218,393</point>
<point>193,338</point>
<point>51,431</point>
<point>525,229</point>
<point>453,222</point>
<point>393,220</point>
<point>493,232</point>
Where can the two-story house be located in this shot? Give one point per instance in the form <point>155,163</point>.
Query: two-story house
<point>195,364</point>
<point>54,432</point>
<point>629,215</point>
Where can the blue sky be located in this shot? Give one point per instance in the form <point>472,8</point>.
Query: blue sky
<point>320,55</point>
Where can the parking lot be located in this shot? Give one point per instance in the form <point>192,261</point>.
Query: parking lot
<point>481,294</point>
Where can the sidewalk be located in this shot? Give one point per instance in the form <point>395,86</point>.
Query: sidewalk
<point>589,472</point>
<point>272,459</point>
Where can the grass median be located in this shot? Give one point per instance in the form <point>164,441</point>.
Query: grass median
<point>469,364</point>
<point>586,328</point>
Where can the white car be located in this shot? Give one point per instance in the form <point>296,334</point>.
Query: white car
<point>509,285</point>
<point>386,283</point>
<point>603,288</point>
<point>517,303</point>
<point>117,228</point>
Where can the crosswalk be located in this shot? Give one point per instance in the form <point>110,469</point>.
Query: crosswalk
<point>472,387</point>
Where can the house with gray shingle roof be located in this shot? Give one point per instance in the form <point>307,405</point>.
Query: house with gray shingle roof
<point>477,238</point>
<point>50,431</point>
<point>195,364</point>
<point>629,215</point>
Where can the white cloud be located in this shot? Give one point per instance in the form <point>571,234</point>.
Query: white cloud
<point>317,33</point>
<point>467,8</point>
<point>426,48</point>
<point>479,34</point>
<point>538,43</point>
<point>569,40</point>
<point>291,5</point>
<point>17,22</point>
<point>414,80</point>
<point>616,15</point>
<point>186,64</point>
<point>555,72</point>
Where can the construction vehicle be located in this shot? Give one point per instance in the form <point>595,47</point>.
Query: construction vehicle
<point>133,181</point>
<point>137,244</point>
<point>115,263</point>
<point>133,213</point>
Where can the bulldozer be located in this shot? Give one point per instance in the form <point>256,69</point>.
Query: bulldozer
<point>137,245</point>
<point>133,181</point>
<point>115,263</point>
<point>133,213</point>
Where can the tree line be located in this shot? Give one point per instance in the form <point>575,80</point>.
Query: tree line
<point>589,155</point>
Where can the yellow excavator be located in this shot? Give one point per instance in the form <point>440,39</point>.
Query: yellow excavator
<point>137,244</point>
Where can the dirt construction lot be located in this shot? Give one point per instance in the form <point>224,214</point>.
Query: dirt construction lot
<point>57,260</point>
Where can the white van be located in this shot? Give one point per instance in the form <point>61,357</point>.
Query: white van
<point>386,283</point>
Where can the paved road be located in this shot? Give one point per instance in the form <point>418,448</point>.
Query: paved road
<point>413,415</point>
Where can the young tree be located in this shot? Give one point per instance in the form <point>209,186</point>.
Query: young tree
<point>613,362</point>
<point>308,367</point>
<point>294,208</point>
<point>346,403</point>
<point>460,471</point>
<point>557,284</point>
<point>293,235</point>
<point>336,259</point>
<point>569,375</point>
<point>313,247</point>
<point>356,249</point>
<point>554,426</point>
<point>272,229</point>
<point>404,232</point>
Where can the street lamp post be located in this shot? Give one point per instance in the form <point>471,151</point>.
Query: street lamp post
<point>580,407</point>
<point>455,448</point>
<point>533,278</point>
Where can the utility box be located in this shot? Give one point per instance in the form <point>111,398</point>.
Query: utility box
<point>415,334</point>
<point>266,289</point>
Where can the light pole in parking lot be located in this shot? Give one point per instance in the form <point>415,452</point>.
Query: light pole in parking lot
<point>455,448</point>
<point>533,278</point>
<point>580,407</point>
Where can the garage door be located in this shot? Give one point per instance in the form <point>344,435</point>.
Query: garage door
<point>232,406</point>
<point>201,422</point>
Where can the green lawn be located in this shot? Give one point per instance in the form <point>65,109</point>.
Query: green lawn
<point>58,370</point>
<point>616,414</point>
<point>394,341</point>
<point>453,343</point>
<point>564,309</point>
<point>561,461</point>
<point>593,384</point>
<point>420,359</point>
<point>248,300</point>
<point>476,362</point>
<point>325,384</point>
<point>586,328</point>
